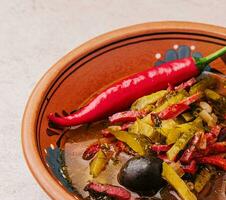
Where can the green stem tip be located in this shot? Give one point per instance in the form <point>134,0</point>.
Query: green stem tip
<point>201,63</point>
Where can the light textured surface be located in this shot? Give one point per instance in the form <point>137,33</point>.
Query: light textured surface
<point>34,34</point>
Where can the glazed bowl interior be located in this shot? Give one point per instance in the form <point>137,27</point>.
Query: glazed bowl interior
<point>87,70</point>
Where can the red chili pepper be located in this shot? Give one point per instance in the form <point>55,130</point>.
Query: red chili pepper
<point>90,152</point>
<point>116,192</point>
<point>126,116</point>
<point>160,147</point>
<point>191,168</point>
<point>186,84</point>
<point>121,94</point>
<point>213,160</point>
<point>176,109</point>
<point>188,154</point>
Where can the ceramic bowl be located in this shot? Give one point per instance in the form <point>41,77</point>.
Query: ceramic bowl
<point>92,66</point>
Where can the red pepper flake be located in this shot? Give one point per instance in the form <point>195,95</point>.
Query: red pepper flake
<point>160,147</point>
<point>126,126</point>
<point>126,116</point>
<point>122,147</point>
<point>203,142</point>
<point>197,155</point>
<point>116,192</point>
<point>218,147</point>
<point>213,135</point>
<point>213,160</point>
<point>193,98</point>
<point>173,111</point>
<point>91,151</point>
<point>176,109</point>
<point>188,154</point>
<point>170,87</point>
<point>191,168</point>
<point>186,84</point>
<point>216,130</point>
<point>106,133</point>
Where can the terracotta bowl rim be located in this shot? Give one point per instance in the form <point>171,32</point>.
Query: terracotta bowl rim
<point>30,150</point>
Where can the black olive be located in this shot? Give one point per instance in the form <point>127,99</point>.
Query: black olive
<point>142,175</point>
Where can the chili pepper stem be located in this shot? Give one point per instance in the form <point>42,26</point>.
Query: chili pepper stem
<point>201,63</point>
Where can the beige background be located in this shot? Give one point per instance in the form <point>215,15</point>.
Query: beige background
<point>34,34</point>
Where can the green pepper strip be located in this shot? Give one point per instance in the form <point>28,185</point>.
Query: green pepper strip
<point>172,100</point>
<point>179,185</point>
<point>142,102</point>
<point>131,139</point>
<point>98,164</point>
<point>174,133</point>
<point>179,145</point>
